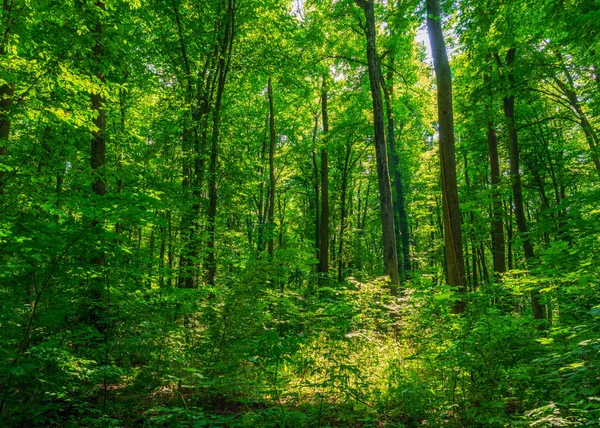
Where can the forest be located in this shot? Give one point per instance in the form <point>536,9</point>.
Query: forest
<point>300,213</point>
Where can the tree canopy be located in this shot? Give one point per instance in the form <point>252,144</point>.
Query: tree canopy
<point>299,213</point>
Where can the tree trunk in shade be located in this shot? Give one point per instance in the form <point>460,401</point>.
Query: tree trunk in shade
<point>498,243</point>
<point>401,218</point>
<point>324,226</point>
<point>271,210</point>
<point>509,113</point>
<point>390,255</point>
<point>226,46</point>
<point>452,229</point>
<point>6,100</point>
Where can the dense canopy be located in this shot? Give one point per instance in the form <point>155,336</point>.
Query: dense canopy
<point>300,213</point>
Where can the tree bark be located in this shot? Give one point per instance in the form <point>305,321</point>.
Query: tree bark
<point>6,94</point>
<point>590,135</point>
<point>187,255</point>
<point>226,47</point>
<point>498,243</point>
<point>6,99</point>
<point>324,227</point>
<point>453,234</point>
<point>98,144</point>
<point>317,224</point>
<point>400,217</point>
<point>344,191</point>
<point>472,238</point>
<point>390,255</point>
<point>272,183</point>
<point>509,113</point>
<point>262,208</point>
<point>96,311</point>
<point>509,233</point>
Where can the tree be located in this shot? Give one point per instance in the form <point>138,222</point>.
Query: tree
<point>401,223</point>
<point>324,225</point>
<point>390,255</point>
<point>498,242</point>
<point>515,173</point>
<point>7,88</point>
<point>272,180</point>
<point>225,47</point>
<point>452,228</point>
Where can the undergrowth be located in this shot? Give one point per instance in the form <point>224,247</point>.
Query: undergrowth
<point>347,355</point>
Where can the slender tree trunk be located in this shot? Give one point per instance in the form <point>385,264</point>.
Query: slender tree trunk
<point>509,113</point>
<point>400,217</point>
<point>281,214</point>
<point>588,130</point>
<point>432,253</point>
<point>6,99</point>
<point>498,244</point>
<point>272,183</point>
<point>96,314</point>
<point>262,209</point>
<point>390,255</point>
<point>119,156</point>
<point>186,261</point>
<point>440,224</point>
<point>98,142</point>
<point>468,277</point>
<point>170,250</point>
<point>98,146</point>
<point>316,189</point>
<point>509,233</point>
<point>483,269</point>
<point>186,257</point>
<point>344,191</point>
<point>162,251</point>
<point>324,229</point>
<point>226,46</point>
<point>474,277</point>
<point>453,235</point>
<point>363,205</point>
<point>6,94</point>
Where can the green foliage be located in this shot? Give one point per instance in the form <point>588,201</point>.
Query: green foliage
<point>97,324</point>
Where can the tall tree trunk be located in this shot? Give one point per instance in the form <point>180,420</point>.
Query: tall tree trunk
<point>272,183</point>
<point>453,235</point>
<point>316,188</point>
<point>262,209</point>
<point>344,191</point>
<point>509,233</point>
<point>162,250</point>
<point>186,257</point>
<point>170,249</point>
<point>96,312</point>
<point>324,229</point>
<point>98,145</point>
<point>474,277</point>
<point>509,113</point>
<point>361,213</point>
<point>6,98</point>
<point>400,217</point>
<point>498,243</point>
<point>281,208</point>
<point>226,47</point>
<point>390,255</point>
<point>119,156</point>
<point>6,94</point>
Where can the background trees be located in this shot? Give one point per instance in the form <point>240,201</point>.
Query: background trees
<point>192,197</point>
